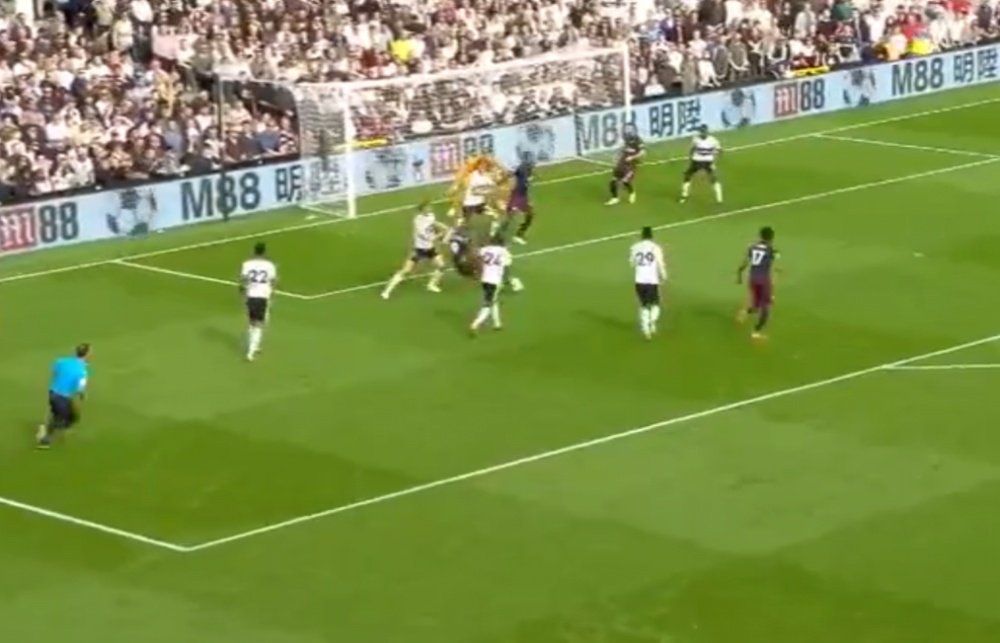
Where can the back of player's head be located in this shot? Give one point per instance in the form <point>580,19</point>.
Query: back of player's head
<point>424,206</point>
<point>497,240</point>
<point>82,349</point>
<point>703,130</point>
<point>767,233</point>
<point>259,249</point>
<point>646,232</point>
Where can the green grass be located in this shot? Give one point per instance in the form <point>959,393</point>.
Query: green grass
<point>856,510</point>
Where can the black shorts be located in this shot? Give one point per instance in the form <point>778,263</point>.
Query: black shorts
<point>423,254</point>
<point>490,293</point>
<point>62,412</point>
<point>624,172</point>
<point>648,294</point>
<point>472,210</point>
<point>708,167</point>
<point>257,309</point>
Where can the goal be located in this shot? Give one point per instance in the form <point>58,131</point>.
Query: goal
<point>353,135</point>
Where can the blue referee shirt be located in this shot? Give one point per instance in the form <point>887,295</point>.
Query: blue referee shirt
<point>69,376</point>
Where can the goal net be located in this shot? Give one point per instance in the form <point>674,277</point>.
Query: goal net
<point>353,135</point>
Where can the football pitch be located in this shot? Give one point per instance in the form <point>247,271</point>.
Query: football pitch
<point>379,477</point>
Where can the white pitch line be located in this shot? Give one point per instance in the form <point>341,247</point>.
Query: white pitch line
<point>94,526</point>
<point>573,177</point>
<point>943,367</point>
<point>193,276</point>
<point>580,446</point>
<point>702,219</point>
<point>906,146</point>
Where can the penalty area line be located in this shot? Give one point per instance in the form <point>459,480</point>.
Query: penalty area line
<point>588,444</point>
<point>943,367</point>
<point>90,524</point>
<point>907,146</point>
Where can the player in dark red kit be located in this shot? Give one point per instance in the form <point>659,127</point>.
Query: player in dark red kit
<point>519,203</point>
<point>759,259</point>
<point>628,160</point>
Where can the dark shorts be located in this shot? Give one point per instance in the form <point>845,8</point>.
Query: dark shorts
<point>423,254</point>
<point>518,203</point>
<point>257,309</point>
<point>472,210</point>
<point>695,167</point>
<point>761,294</point>
<point>624,172</point>
<point>648,294</point>
<point>490,294</point>
<point>62,412</point>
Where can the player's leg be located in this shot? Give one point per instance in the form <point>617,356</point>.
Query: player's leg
<point>750,307</point>
<point>528,217</point>
<point>434,283</point>
<point>628,182</point>
<point>512,282</point>
<point>613,187</point>
<point>61,416</point>
<point>257,316</point>
<point>654,309</point>
<point>763,311</point>
<point>644,312</point>
<point>489,297</point>
<point>713,176</point>
<point>398,277</point>
<point>686,184</point>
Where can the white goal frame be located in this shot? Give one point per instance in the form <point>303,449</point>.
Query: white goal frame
<point>609,86</point>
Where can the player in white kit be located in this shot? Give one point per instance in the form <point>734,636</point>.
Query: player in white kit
<point>646,259</point>
<point>494,260</point>
<point>427,231</point>
<point>705,150</point>
<point>258,276</point>
<point>479,188</point>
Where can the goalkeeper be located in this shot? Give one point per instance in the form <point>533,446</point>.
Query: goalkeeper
<point>478,189</point>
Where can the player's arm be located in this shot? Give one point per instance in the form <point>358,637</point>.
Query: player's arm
<point>640,151</point>
<point>661,265</point>
<point>743,267</point>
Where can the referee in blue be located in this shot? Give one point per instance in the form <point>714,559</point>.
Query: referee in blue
<point>66,388</point>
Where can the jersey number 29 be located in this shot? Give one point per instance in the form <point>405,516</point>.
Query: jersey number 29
<point>644,259</point>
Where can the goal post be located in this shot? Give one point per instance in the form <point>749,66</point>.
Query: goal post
<point>342,126</point>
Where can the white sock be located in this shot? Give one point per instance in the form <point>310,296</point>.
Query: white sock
<point>396,278</point>
<point>654,314</point>
<point>717,188</point>
<point>481,317</point>
<point>644,320</point>
<point>495,315</point>
<point>435,279</point>
<point>254,336</point>
<point>685,189</point>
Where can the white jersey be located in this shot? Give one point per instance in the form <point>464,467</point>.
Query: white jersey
<point>258,277</point>
<point>477,189</point>
<point>704,150</point>
<point>646,258</point>
<point>495,260</point>
<point>424,231</point>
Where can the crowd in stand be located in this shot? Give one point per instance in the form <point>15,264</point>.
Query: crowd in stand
<point>100,93</point>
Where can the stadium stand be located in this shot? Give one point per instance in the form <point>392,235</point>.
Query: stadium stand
<point>98,94</point>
